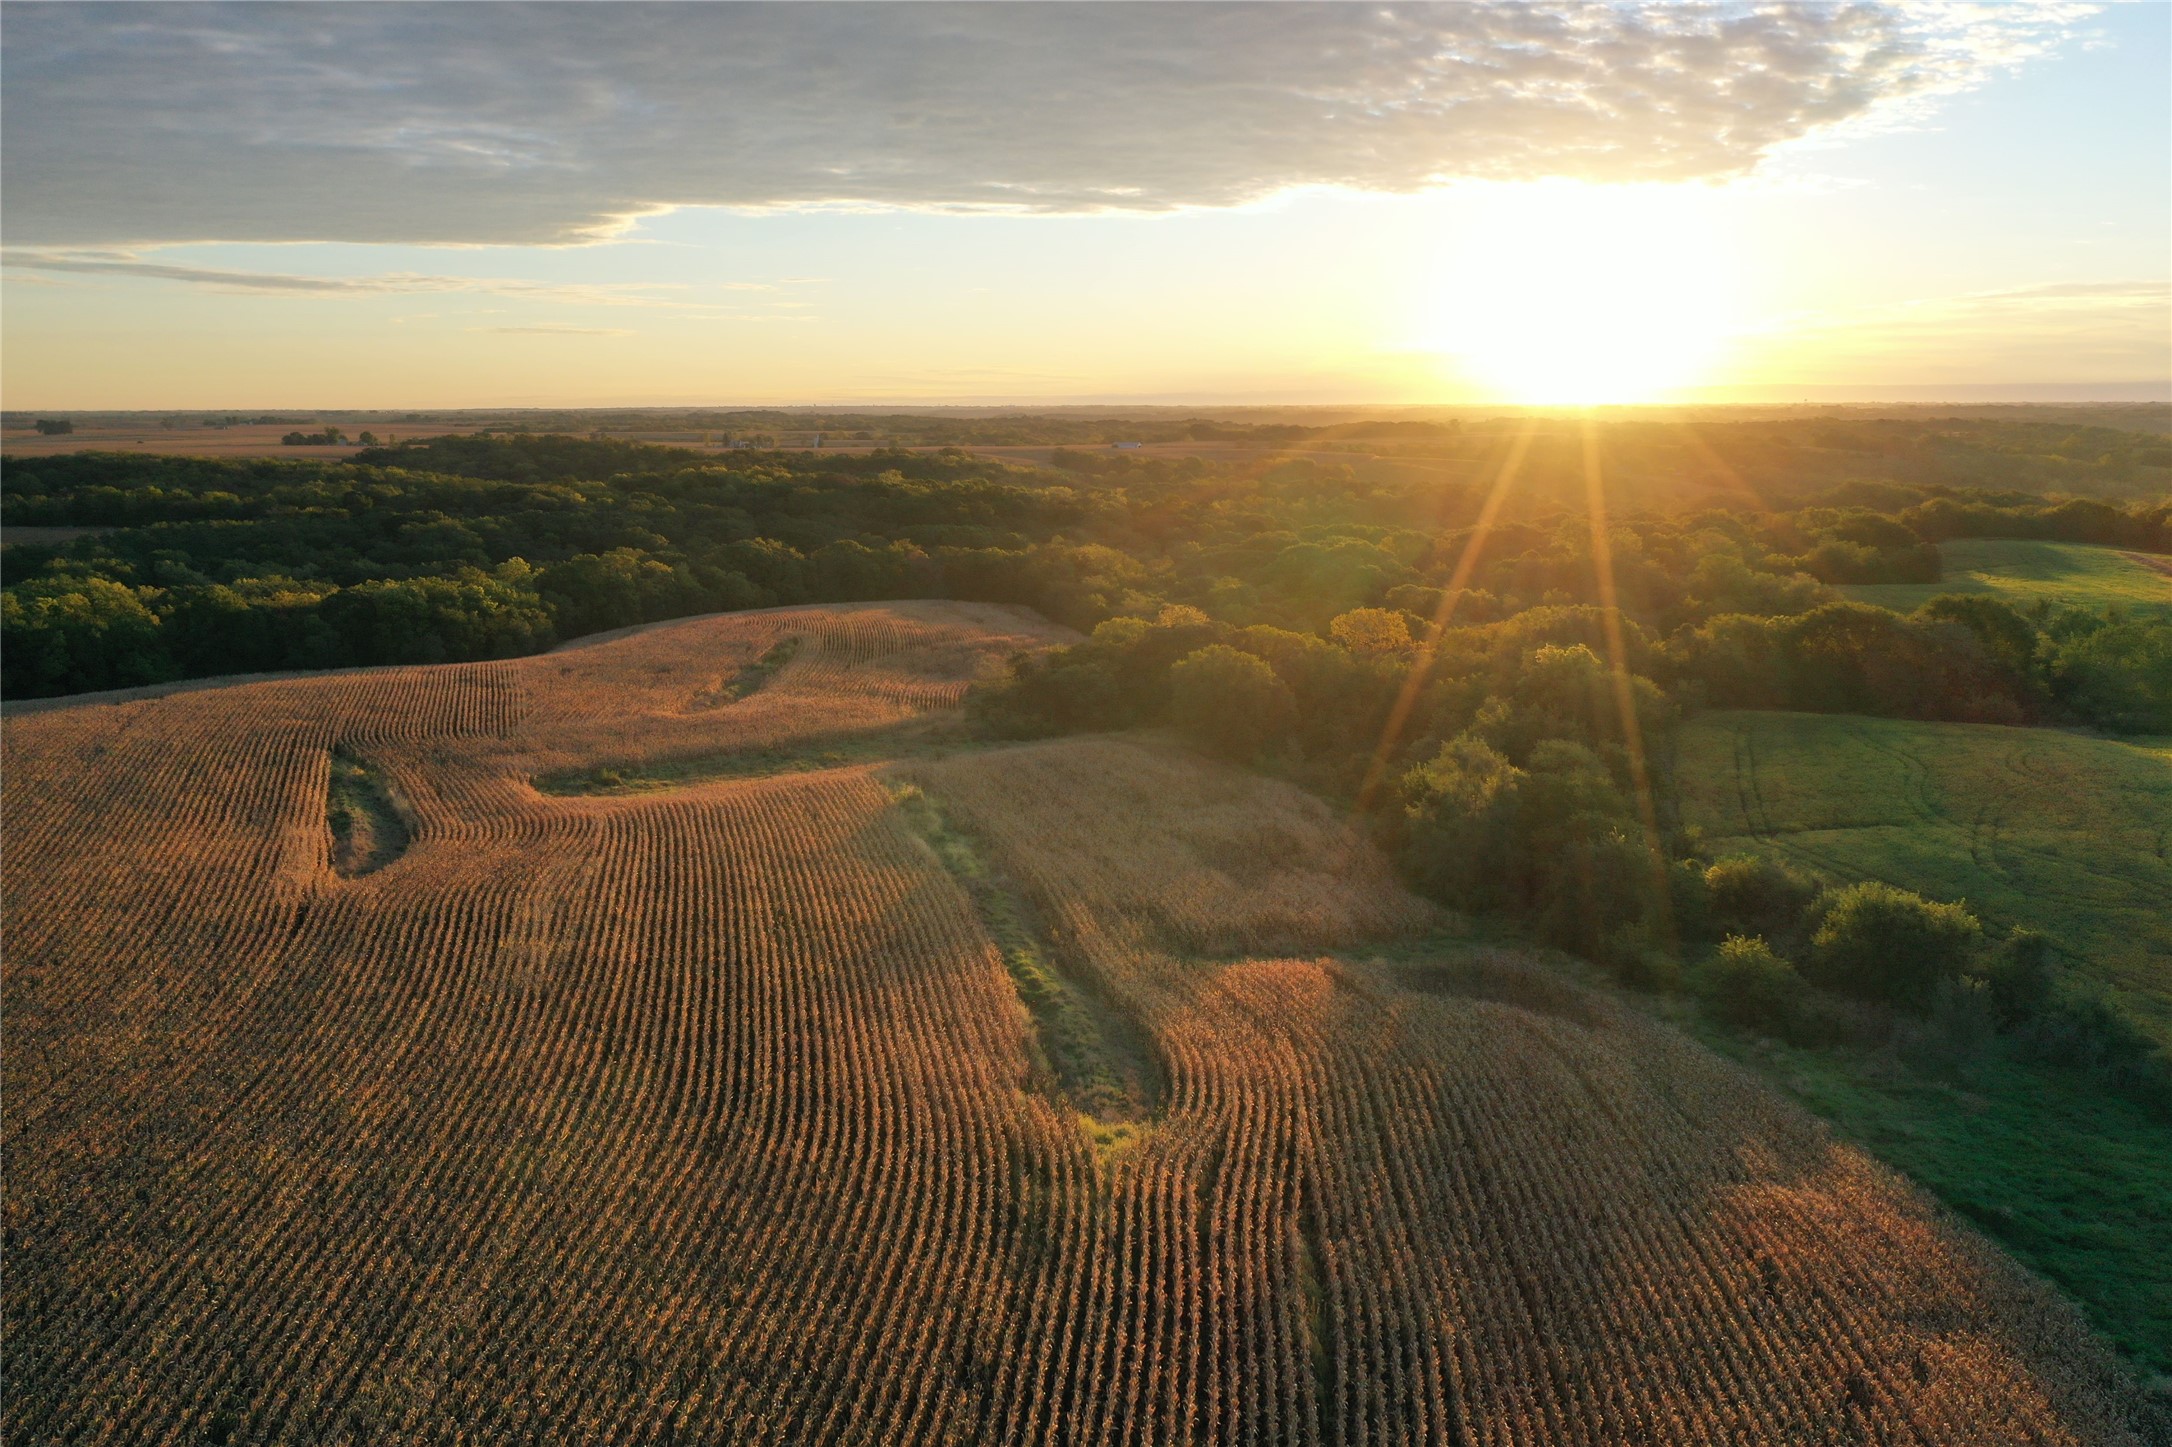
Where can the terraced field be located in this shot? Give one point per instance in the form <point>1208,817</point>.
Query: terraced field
<point>908,1091</point>
<point>2026,573</point>
<point>2069,834</point>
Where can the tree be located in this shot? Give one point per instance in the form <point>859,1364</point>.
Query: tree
<point>1456,809</point>
<point>1882,943</point>
<point>2117,673</point>
<point>1371,630</point>
<point>53,426</point>
<point>1556,843</point>
<point>598,591</point>
<point>1575,853</point>
<point>67,635</point>
<point>2004,633</point>
<point>1229,702</point>
<point>438,620</point>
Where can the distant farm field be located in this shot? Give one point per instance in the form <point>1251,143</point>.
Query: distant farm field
<point>2026,573</point>
<point>357,1089</point>
<point>2068,834</point>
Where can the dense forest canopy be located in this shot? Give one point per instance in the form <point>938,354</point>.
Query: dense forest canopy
<point>466,547</point>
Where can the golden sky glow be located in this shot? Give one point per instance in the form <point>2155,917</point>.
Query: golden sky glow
<point>1990,220</point>
<point>1574,294</point>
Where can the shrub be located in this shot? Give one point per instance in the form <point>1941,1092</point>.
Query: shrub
<point>2090,1033</point>
<point>1635,959</point>
<point>1751,986</point>
<point>1752,894</point>
<point>1229,702</point>
<point>1962,1023</point>
<point>2018,976</point>
<point>1882,943</point>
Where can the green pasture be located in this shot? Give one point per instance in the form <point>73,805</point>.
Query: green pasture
<point>2025,573</point>
<point>2074,1181</point>
<point>2067,833</point>
<point>2059,831</point>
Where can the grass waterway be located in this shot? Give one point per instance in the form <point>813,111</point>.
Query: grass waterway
<point>368,829</point>
<point>749,680</point>
<point>1091,1055</point>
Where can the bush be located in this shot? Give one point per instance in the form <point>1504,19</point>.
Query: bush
<point>2088,1032</point>
<point>1229,702</point>
<point>1634,959</point>
<point>1751,986</point>
<point>1881,943</point>
<point>2018,976</point>
<point>1962,1023</point>
<point>1755,895</point>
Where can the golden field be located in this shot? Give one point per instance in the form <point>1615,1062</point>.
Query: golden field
<point>747,1110</point>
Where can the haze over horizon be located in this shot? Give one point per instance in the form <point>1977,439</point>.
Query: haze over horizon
<point>470,206</point>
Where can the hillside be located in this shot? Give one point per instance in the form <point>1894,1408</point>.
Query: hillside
<point>2059,832</point>
<point>2064,833</point>
<point>2026,572</point>
<point>909,1091</point>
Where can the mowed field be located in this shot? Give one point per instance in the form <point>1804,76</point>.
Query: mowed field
<point>2068,834</point>
<point>1082,1091</point>
<point>2025,573</point>
<point>242,440</point>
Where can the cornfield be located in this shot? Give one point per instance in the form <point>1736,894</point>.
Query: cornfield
<point>711,1114</point>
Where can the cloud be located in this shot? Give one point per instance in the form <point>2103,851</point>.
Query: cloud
<point>555,331</point>
<point>671,295</point>
<point>2107,329</point>
<point>509,123</point>
<point>2138,307</point>
<point>111,264</point>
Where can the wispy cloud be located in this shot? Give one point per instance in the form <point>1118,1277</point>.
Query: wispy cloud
<point>556,331</point>
<point>2048,304</point>
<point>675,296</point>
<point>461,123</point>
<point>2109,328</point>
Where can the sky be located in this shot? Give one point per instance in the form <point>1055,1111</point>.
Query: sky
<point>426,205</point>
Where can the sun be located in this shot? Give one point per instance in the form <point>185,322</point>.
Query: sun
<point>1562,293</point>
